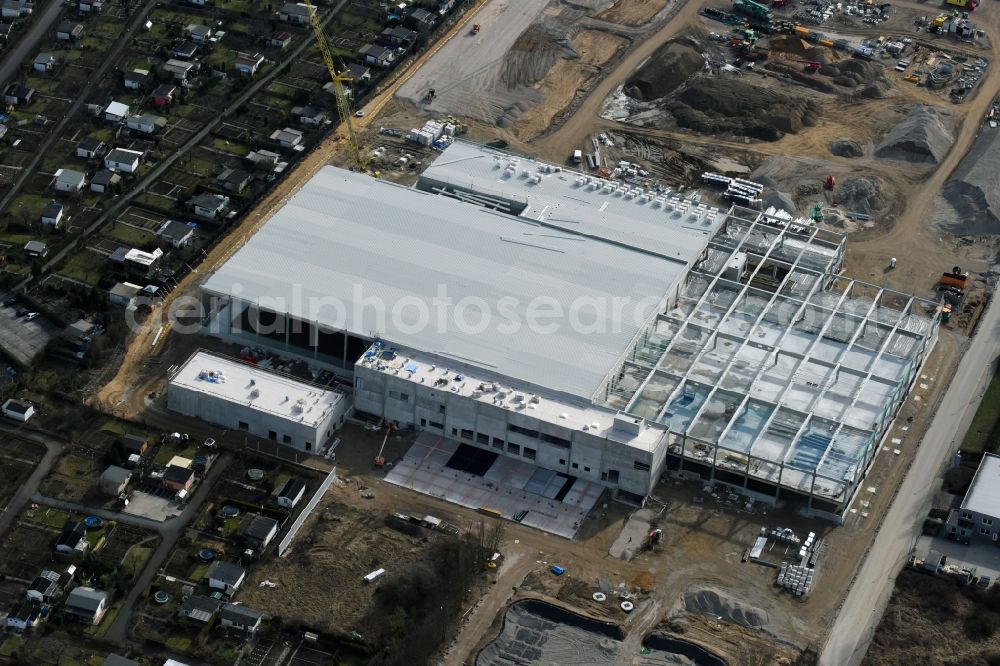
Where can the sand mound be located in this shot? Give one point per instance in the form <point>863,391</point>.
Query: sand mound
<point>721,605</point>
<point>799,47</point>
<point>923,136</point>
<point>737,106</point>
<point>671,65</point>
<point>852,73</point>
<point>974,189</point>
<point>846,148</point>
<point>860,195</point>
<point>533,55</point>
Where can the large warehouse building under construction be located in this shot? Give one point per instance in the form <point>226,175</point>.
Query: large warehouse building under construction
<point>608,333</point>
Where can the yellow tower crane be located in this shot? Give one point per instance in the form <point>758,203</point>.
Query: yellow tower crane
<point>358,157</point>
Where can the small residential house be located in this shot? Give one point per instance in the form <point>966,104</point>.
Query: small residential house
<point>258,530</point>
<point>209,206</point>
<point>180,70</point>
<point>90,148</point>
<point>114,480</point>
<point>73,539</point>
<point>18,94</point>
<point>240,617</point>
<point>280,40</point>
<point>44,588</point>
<point>199,609</point>
<point>124,294</point>
<point>18,410</point>
<point>116,112</point>
<point>291,493</point>
<point>137,79</point>
<point>225,576</point>
<point>91,6</point>
<point>178,478</point>
<point>164,94</point>
<point>36,248</point>
<point>87,604</point>
<point>247,64</point>
<point>263,159</point>
<point>287,137</point>
<point>379,56</point>
<point>52,215</point>
<point>176,233</point>
<point>69,180</point>
<point>69,31</point>
<point>359,74</point>
<point>310,116</point>
<point>445,6</point>
<point>15,8</point>
<point>399,36</point>
<point>199,34</point>
<point>5,31</point>
<point>234,180</point>
<point>421,20</point>
<point>184,50</point>
<point>146,123</point>
<point>23,616</point>
<point>135,444</point>
<point>80,331</point>
<point>105,181</point>
<point>44,62</point>
<point>123,160</point>
<point>295,12</point>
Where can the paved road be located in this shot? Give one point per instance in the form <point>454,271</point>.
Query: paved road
<point>138,19</point>
<point>127,518</point>
<point>123,200</point>
<point>858,617</point>
<point>12,59</point>
<point>170,531</point>
<point>53,447</point>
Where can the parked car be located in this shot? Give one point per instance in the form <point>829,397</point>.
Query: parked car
<point>30,315</point>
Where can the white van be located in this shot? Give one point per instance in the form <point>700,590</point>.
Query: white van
<point>373,576</point>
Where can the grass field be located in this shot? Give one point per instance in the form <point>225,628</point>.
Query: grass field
<point>978,437</point>
<point>85,266</point>
<point>126,233</point>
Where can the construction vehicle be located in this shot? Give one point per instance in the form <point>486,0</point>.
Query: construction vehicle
<point>830,183</point>
<point>956,278</point>
<point>967,5</point>
<point>816,213</point>
<point>779,3</point>
<point>751,8</point>
<point>379,459</point>
<point>430,95</point>
<point>358,157</point>
<point>811,67</point>
<point>475,28</point>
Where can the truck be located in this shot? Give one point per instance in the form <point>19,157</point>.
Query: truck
<point>577,156</point>
<point>752,8</point>
<point>967,5</point>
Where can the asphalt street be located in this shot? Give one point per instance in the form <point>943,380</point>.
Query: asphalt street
<point>855,625</point>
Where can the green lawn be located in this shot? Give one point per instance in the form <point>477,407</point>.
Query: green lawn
<point>179,643</point>
<point>10,646</point>
<point>230,146</point>
<point>85,266</point>
<point>127,233</point>
<point>977,438</point>
<point>135,558</point>
<point>30,204</point>
<point>53,517</point>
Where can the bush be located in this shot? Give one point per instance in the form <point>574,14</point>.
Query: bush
<point>980,626</point>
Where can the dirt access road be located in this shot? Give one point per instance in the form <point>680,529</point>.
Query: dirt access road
<point>118,396</point>
<point>855,625</point>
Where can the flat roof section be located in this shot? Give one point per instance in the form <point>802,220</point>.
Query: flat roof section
<point>984,493</point>
<point>347,247</point>
<point>242,384</point>
<point>654,221</point>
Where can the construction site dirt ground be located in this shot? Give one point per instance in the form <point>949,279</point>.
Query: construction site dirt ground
<point>703,540</point>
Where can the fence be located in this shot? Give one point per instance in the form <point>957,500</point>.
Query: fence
<point>285,543</point>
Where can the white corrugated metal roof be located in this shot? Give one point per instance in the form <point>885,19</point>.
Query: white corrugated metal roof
<point>349,238</point>
<point>984,493</point>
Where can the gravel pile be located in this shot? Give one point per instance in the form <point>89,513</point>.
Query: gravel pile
<point>739,107</point>
<point>846,148</point>
<point>672,64</point>
<point>721,605</point>
<point>923,136</point>
<point>860,195</point>
<point>974,188</point>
